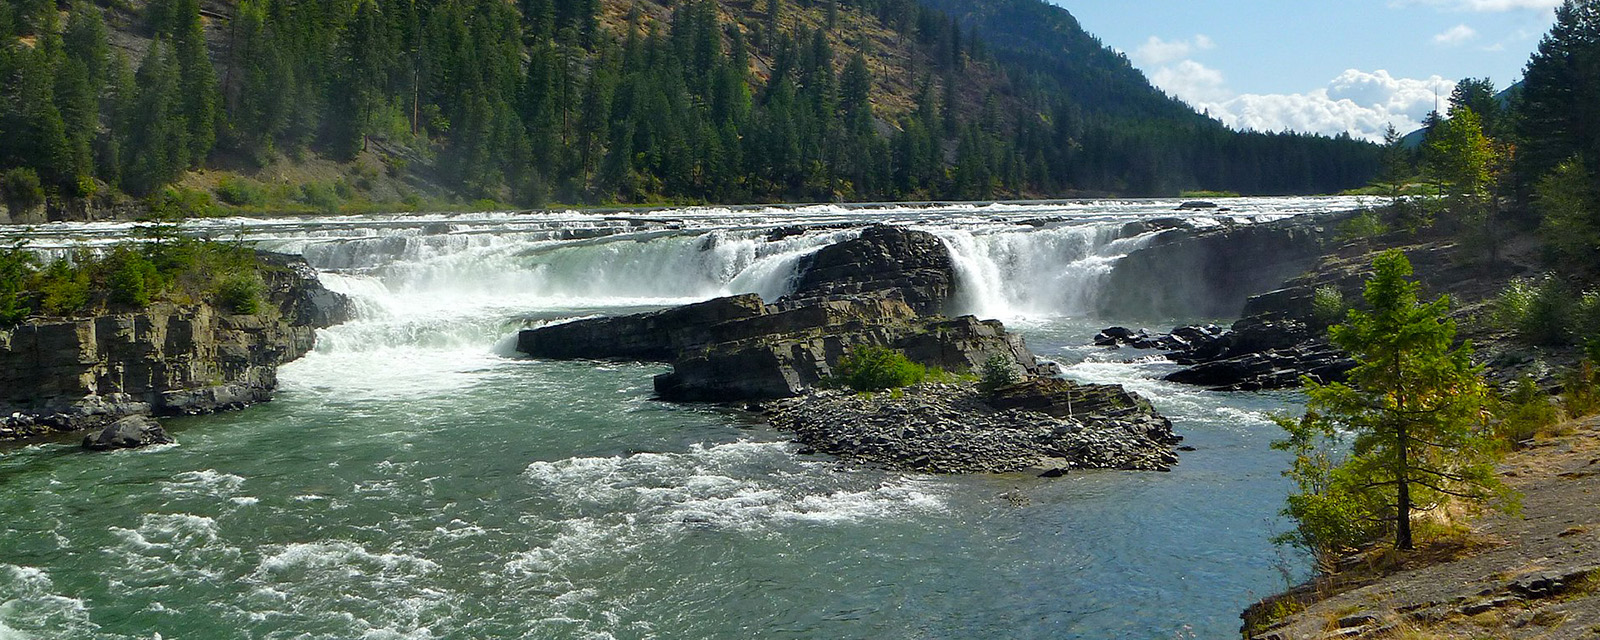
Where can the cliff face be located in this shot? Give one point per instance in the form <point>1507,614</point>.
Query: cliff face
<point>1210,273</point>
<point>69,374</point>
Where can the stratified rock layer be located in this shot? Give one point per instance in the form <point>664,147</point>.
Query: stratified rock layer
<point>69,374</point>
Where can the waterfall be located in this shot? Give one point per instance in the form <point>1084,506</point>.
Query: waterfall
<point>1036,273</point>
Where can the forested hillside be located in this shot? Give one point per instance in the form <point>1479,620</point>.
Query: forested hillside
<point>332,102</point>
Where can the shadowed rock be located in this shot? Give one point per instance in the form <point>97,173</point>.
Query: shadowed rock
<point>128,433</point>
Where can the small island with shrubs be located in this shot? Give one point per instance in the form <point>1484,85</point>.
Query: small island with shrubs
<point>160,324</point>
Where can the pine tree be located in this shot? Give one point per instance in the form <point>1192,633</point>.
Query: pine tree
<point>155,143</point>
<point>1560,113</point>
<point>1415,406</point>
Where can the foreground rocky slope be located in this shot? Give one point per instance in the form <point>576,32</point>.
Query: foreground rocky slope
<point>167,359</point>
<point>1534,574</point>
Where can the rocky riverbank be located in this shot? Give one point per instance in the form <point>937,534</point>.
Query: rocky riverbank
<point>1532,574</point>
<point>954,428</point>
<point>67,374</point>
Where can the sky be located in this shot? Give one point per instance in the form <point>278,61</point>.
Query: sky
<point>1319,66</point>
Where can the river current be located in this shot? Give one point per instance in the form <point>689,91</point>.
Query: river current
<point>415,479</point>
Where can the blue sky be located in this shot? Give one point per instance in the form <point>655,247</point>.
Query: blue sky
<point>1319,65</point>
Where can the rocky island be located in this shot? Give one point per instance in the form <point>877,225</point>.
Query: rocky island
<point>886,288</point>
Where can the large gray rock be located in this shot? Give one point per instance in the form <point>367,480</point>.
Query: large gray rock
<point>883,258</point>
<point>128,433</point>
<point>950,428</point>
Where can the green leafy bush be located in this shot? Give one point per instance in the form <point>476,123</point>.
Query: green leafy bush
<point>1327,304</point>
<point>1362,226</point>
<point>997,373</point>
<point>241,293</point>
<point>241,192</point>
<point>16,267</point>
<point>65,289</point>
<point>1581,390</point>
<point>1539,311</point>
<point>877,369</point>
<point>1527,413</point>
<point>321,196</point>
<point>131,278</point>
<point>21,189</point>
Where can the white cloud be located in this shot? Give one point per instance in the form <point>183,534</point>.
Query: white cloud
<point>1358,102</point>
<point>1157,52</point>
<point>1455,35</point>
<point>1482,6</point>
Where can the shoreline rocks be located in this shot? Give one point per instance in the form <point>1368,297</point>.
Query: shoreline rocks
<point>951,428</point>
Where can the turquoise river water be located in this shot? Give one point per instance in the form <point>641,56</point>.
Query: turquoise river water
<point>415,479</point>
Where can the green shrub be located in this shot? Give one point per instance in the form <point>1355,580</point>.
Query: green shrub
<point>1527,413</point>
<point>877,369</point>
<point>241,293</point>
<point>177,203</point>
<point>1580,394</point>
<point>320,196</point>
<point>997,373</point>
<point>16,268</point>
<point>131,279</point>
<point>1538,311</point>
<point>1327,305</point>
<point>21,189</point>
<point>65,289</point>
<point>241,192</point>
<point>1362,226</point>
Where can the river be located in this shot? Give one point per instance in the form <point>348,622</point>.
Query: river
<point>415,479</point>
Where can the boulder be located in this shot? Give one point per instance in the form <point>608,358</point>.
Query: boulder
<point>128,433</point>
<point>657,336</point>
<point>1195,205</point>
<point>883,258</point>
<point>795,358</point>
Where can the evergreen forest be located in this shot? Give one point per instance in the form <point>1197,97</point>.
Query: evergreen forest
<point>600,101</point>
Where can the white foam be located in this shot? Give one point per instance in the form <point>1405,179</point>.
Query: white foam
<point>209,482</point>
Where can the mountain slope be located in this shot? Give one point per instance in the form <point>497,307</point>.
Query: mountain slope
<point>356,103</point>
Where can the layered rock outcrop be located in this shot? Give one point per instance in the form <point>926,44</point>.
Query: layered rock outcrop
<point>69,374</point>
<point>914,263</point>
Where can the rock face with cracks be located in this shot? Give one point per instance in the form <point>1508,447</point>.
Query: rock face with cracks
<point>80,373</point>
